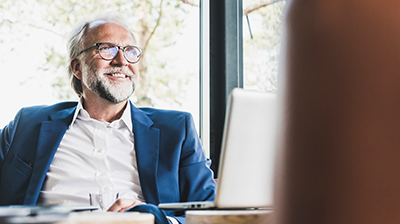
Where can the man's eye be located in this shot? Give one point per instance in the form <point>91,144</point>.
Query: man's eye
<point>131,52</point>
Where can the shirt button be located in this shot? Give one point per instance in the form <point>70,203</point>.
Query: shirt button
<point>101,174</point>
<point>101,151</point>
<point>108,188</point>
<point>102,128</point>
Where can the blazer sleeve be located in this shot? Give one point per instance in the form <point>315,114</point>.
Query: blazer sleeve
<point>6,137</point>
<point>196,177</point>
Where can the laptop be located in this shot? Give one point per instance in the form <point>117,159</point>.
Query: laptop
<point>246,168</point>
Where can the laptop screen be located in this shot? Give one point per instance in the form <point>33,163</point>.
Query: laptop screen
<point>246,166</point>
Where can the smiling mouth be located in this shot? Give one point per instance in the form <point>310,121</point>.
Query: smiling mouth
<point>117,75</point>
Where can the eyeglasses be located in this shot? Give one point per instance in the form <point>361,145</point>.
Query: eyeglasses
<point>109,51</point>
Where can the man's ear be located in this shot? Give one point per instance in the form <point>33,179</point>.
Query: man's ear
<point>76,68</point>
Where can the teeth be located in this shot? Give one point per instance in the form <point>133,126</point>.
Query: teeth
<point>118,75</point>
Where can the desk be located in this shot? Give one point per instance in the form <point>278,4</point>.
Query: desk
<point>84,218</point>
<point>108,218</point>
<point>228,216</point>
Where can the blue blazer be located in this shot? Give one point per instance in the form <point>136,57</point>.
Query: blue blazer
<point>171,163</point>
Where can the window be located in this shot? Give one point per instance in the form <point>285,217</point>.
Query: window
<point>226,58</point>
<point>262,29</point>
<point>33,43</point>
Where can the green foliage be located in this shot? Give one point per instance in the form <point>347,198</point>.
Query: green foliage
<point>57,17</point>
<point>262,51</point>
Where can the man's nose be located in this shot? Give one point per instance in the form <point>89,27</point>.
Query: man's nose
<point>120,59</point>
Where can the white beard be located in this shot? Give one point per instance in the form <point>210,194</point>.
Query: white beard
<point>114,92</point>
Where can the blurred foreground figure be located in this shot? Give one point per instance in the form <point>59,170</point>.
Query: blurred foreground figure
<point>341,140</point>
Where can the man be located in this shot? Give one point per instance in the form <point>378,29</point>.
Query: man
<point>56,155</point>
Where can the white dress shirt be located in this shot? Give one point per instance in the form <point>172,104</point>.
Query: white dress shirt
<point>93,156</point>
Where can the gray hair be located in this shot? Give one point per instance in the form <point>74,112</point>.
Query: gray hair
<point>75,41</point>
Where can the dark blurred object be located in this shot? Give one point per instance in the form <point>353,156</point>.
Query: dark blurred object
<point>340,151</point>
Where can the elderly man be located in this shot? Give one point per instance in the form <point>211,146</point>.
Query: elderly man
<point>56,155</point>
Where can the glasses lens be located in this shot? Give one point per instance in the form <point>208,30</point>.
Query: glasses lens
<point>108,51</point>
<point>132,54</point>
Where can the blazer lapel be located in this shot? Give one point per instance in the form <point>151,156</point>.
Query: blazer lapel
<point>146,140</point>
<point>146,146</point>
<point>51,134</point>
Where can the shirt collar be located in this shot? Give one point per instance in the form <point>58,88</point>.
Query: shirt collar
<point>79,107</point>
<point>125,118</point>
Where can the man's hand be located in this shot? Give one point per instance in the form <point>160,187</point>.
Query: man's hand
<point>122,205</point>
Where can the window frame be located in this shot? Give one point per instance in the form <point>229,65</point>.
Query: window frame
<point>221,68</point>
